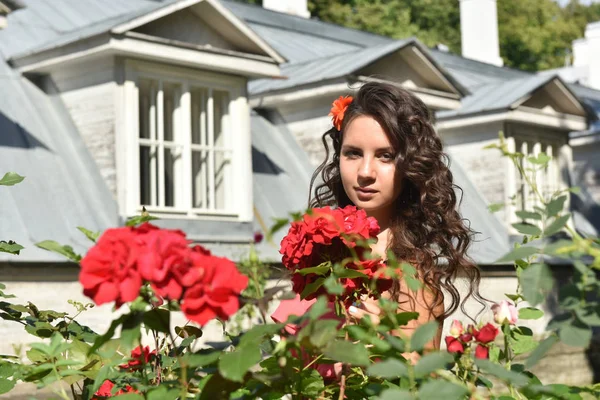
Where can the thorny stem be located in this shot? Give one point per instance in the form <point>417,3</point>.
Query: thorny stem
<point>343,377</point>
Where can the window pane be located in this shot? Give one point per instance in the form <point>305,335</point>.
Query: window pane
<point>199,127</point>
<point>200,179</point>
<point>221,114</point>
<point>171,105</point>
<point>148,175</point>
<point>170,179</point>
<point>222,180</point>
<point>146,102</point>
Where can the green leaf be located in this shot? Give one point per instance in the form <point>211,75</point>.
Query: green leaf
<point>140,219</point>
<point>351,273</point>
<point>6,385</point>
<point>162,393</point>
<point>311,383</point>
<point>254,335</point>
<point>575,334</point>
<point>388,369</point>
<point>319,308</point>
<point>10,247</point>
<point>234,365</point>
<point>130,396</point>
<point>320,269</point>
<point>55,247</point>
<point>536,280</point>
<point>422,335</point>
<point>347,352</point>
<point>312,287</point>
<point>522,344</point>
<point>517,254</point>
<point>323,332</point>
<point>395,394</point>
<point>589,315</point>
<point>11,178</point>
<point>158,319</point>
<point>540,351</point>
<point>435,389</point>
<point>432,362</point>
<point>495,207</point>
<point>530,313</point>
<point>200,360</point>
<point>277,226</point>
<point>333,286</point>
<point>555,206</point>
<point>529,215</point>
<point>575,190</point>
<point>93,236</point>
<point>556,226</point>
<point>188,331</point>
<point>498,371</point>
<point>541,159</point>
<point>527,229</point>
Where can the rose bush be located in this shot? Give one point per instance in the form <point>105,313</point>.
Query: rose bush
<point>151,273</point>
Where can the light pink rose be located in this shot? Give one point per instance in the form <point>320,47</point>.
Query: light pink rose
<point>456,329</point>
<point>505,312</point>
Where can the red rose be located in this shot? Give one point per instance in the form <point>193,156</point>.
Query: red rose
<point>139,357</point>
<point>108,271</point>
<point>167,263</point>
<point>482,352</point>
<point>486,334</point>
<point>216,293</point>
<point>454,345</point>
<point>105,390</point>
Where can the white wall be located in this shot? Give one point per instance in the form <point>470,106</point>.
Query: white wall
<point>88,92</point>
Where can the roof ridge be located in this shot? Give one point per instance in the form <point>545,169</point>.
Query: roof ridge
<point>310,20</point>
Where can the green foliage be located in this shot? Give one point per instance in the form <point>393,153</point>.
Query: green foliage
<point>10,179</point>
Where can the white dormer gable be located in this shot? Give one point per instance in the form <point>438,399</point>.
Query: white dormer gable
<point>193,33</point>
<point>553,98</point>
<point>410,67</point>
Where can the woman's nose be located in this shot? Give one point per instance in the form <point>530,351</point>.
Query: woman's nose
<point>366,169</point>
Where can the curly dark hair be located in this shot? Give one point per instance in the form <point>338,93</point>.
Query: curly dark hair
<point>426,229</point>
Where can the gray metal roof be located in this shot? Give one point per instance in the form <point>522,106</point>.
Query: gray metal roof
<point>326,68</point>
<point>62,189</point>
<point>491,241</point>
<point>498,95</point>
<point>45,24</point>
<point>282,173</point>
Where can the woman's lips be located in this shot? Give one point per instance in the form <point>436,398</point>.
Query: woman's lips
<point>364,193</point>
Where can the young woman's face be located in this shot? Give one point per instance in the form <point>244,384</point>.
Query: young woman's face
<point>368,167</point>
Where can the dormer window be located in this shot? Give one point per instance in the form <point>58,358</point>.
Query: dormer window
<point>190,157</point>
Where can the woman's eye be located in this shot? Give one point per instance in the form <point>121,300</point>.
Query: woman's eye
<point>387,156</point>
<point>351,153</point>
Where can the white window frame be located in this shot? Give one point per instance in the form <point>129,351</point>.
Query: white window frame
<point>241,203</point>
<point>532,143</point>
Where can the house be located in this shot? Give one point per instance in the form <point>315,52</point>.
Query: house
<point>209,114</point>
<point>586,144</point>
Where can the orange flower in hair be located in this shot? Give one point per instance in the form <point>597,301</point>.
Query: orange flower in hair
<point>338,109</point>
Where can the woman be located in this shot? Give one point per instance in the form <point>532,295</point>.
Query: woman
<point>388,160</point>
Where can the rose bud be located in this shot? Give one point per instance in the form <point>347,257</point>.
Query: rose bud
<point>453,345</point>
<point>482,352</point>
<point>456,329</point>
<point>465,337</point>
<point>505,313</point>
<point>486,334</point>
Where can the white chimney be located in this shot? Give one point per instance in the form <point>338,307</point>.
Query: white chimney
<point>293,7</point>
<point>479,31</point>
<point>592,36</point>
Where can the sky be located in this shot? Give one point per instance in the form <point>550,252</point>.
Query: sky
<point>563,2</point>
